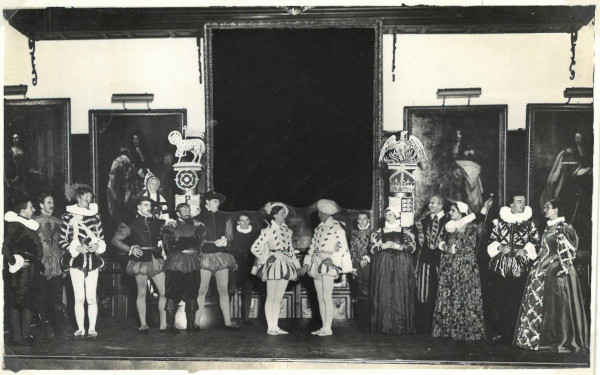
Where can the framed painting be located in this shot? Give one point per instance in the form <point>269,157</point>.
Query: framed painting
<point>466,149</point>
<point>126,145</point>
<point>302,129</point>
<point>37,147</point>
<point>561,147</point>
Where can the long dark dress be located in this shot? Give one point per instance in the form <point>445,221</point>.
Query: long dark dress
<point>459,307</point>
<point>552,315</point>
<point>393,284</point>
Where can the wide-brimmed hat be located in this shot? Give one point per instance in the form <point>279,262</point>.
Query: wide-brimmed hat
<point>327,206</point>
<point>214,195</point>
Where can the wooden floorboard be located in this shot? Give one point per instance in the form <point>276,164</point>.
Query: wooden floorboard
<point>120,346</point>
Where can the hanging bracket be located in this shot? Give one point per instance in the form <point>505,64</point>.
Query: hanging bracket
<point>573,45</point>
<point>34,80</point>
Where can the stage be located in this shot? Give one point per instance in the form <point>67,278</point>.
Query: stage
<point>120,346</point>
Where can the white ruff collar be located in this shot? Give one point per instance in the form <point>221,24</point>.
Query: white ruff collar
<point>365,228</point>
<point>560,219</point>
<point>247,230</point>
<point>12,217</point>
<point>453,225</point>
<point>77,210</point>
<point>394,225</point>
<point>507,215</point>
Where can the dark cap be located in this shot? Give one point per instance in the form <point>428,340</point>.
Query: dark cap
<point>213,195</point>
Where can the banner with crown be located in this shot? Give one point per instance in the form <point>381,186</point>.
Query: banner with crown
<point>402,157</point>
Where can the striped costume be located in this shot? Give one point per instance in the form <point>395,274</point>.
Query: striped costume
<point>82,227</point>
<point>329,241</point>
<point>430,230</point>
<point>430,233</point>
<point>275,256</point>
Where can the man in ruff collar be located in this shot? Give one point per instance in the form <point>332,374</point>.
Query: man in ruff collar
<point>22,250</point>
<point>512,249</point>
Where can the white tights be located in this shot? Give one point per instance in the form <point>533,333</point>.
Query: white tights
<point>275,292</point>
<point>84,288</point>
<point>325,296</point>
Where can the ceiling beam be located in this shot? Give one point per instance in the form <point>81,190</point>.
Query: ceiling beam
<point>118,23</point>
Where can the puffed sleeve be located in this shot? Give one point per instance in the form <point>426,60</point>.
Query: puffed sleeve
<point>471,233</point>
<point>567,247</point>
<point>294,258</point>
<point>66,231</point>
<point>355,248</point>
<point>375,241</point>
<point>260,248</point>
<point>533,241</point>
<point>410,244</point>
<point>123,231</point>
<point>101,242</point>
<point>313,244</point>
<point>420,232</point>
<point>493,248</point>
<point>341,257</point>
<point>7,246</point>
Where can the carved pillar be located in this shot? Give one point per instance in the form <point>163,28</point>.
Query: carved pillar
<point>401,157</point>
<point>188,171</point>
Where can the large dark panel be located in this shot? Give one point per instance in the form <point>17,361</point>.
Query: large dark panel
<point>80,145</point>
<point>294,116</point>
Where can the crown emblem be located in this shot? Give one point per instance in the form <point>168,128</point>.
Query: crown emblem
<point>402,182</point>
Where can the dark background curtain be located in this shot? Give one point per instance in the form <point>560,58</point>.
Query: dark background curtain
<point>294,116</point>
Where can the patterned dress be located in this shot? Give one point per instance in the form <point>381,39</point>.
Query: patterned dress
<point>393,283</point>
<point>459,307</point>
<point>552,314</point>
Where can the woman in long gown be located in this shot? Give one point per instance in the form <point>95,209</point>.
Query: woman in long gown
<point>459,307</point>
<point>393,277</point>
<point>552,315</point>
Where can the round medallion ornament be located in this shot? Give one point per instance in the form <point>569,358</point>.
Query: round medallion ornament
<point>186,179</point>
